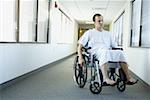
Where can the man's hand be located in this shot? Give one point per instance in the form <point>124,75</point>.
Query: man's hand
<point>81,61</point>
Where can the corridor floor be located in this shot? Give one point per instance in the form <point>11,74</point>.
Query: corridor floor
<point>56,83</point>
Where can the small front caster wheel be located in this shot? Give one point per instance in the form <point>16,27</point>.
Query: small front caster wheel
<point>95,88</point>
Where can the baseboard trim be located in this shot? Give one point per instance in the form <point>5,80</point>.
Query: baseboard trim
<point>146,84</point>
<point>19,78</point>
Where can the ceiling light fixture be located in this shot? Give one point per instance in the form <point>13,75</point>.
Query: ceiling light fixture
<point>98,8</point>
<point>89,22</point>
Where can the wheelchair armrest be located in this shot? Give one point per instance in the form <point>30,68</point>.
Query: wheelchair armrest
<point>86,48</point>
<point>117,48</point>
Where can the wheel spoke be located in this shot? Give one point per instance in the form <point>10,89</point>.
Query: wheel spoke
<point>80,73</point>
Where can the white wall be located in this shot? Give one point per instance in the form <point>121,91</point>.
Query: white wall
<point>17,59</point>
<point>137,58</point>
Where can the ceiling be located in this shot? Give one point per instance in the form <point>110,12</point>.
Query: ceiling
<point>83,10</point>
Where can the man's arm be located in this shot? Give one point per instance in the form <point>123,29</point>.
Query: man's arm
<point>80,54</point>
<point>82,42</point>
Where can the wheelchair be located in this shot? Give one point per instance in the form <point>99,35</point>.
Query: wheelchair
<point>96,78</point>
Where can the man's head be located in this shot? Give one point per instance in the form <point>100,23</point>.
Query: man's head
<point>98,20</point>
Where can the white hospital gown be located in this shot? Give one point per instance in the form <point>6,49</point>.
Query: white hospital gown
<point>101,43</point>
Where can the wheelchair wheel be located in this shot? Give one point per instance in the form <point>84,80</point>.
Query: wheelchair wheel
<point>80,73</point>
<point>121,86</point>
<point>95,88</point>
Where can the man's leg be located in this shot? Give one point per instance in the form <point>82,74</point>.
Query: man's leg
<point>106,79</point>
<point>124,66</point>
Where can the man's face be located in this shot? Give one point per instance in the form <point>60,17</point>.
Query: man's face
<point>98,21</point>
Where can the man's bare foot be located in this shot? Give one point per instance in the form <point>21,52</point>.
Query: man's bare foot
<point>109,81</point>
<point>131,81</point>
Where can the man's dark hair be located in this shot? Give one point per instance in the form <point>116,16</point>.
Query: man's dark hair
<point>95,16</point>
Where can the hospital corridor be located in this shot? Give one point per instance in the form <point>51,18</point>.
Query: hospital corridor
<point>43,43</point>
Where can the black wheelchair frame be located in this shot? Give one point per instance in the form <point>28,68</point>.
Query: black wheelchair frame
<point>96,79</point>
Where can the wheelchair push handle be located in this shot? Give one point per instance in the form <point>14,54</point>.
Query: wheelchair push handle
<point>117,48</point>
<point>88,48</point>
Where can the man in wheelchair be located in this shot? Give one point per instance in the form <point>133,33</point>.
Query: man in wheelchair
<point>101,42</point>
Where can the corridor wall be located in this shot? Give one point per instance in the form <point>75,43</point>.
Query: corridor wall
<point>17,59</point>
<point>138,58</point>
